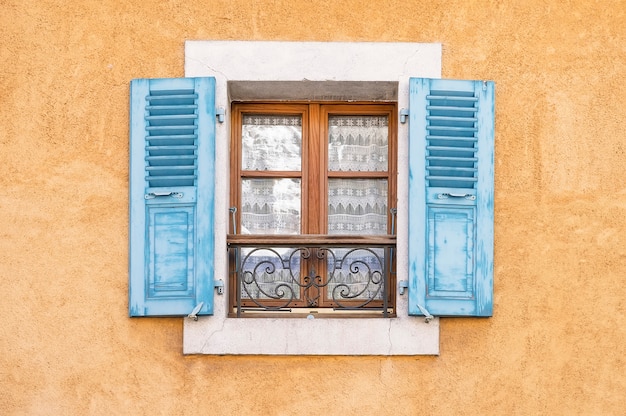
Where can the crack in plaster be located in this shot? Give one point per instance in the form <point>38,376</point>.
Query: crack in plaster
<point>211,334</point>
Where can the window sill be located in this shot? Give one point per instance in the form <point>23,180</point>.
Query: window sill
<point>289,336</point>
<point>313,313</point>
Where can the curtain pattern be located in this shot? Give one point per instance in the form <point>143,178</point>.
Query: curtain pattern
<point>270,206</point>
<point>357,143</point>
<point>271,142</point>
<point>357,206</point>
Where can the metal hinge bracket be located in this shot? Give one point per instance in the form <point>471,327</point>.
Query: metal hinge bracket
<point>404,113</point>
<point>402,286</point>
<point>219,285</point>
<point>220,113</point>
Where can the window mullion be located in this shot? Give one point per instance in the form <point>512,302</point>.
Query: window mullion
<point>322,125</point>
<point>313,182</point>
<point>312,174</point>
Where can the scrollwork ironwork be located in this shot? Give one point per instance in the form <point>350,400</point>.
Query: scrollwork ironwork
<point>281,278</point>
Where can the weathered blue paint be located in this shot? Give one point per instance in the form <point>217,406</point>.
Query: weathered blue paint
<point>451,174</point>
<point>172,187</point>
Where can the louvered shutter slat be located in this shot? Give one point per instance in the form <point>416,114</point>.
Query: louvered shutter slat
<point>171,143</point>
<point>450,116</point>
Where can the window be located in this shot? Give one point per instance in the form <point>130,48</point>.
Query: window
<point>303,175</point>
<point>180,192</point>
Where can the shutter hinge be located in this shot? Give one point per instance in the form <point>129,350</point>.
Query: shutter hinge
<point>402,286</point>
<point>220,113</point>
<point>427,315</point>
<point>219,285</point>
<point>404,113</point>
<point>194,314</point>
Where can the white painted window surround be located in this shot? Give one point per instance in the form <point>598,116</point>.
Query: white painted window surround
<point>252,70</point>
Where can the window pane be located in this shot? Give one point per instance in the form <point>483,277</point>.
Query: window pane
<point>357,206</point>
<point>270,274</point>
<point>270,206</point>
<point>358,143</point>
<point>356,274</point>
<point>271,142</point>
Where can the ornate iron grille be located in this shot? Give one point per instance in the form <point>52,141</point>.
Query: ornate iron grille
<point>340,273</point>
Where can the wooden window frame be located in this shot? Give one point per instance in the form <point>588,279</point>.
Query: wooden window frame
<point>314,175</point>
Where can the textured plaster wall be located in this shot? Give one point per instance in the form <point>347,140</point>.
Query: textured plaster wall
<point>556,344</point>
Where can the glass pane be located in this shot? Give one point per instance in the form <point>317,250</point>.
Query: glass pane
<point>270,274</point>
<point>271,142</point>
<point>358,143</point>
<point>270,206</point>
<point>357,206</point>
<point>356,274</point>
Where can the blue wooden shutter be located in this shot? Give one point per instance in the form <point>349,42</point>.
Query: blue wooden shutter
<point>172,152</point>
<point>451,144</point>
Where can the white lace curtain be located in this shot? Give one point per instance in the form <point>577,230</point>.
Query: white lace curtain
<point>357,206</point>
<point>270,206</point>
<point>355,143</point>
<point>271,142</point>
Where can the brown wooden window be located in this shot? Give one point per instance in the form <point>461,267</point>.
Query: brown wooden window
<point>313,196</point>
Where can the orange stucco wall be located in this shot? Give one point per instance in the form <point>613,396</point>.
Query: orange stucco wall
<point>557,341</point>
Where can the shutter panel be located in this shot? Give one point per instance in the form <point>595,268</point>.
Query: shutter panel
<point>172,151</point>
<point>451,197</point>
